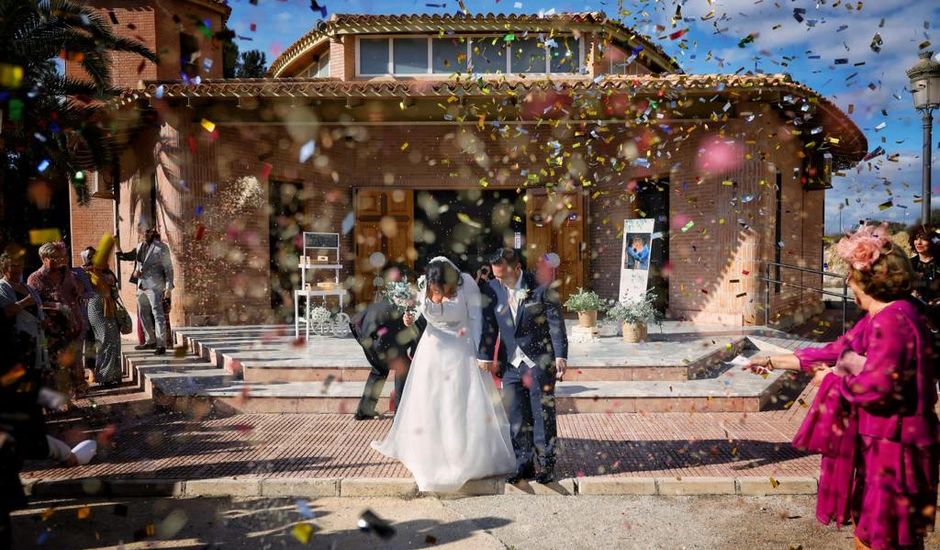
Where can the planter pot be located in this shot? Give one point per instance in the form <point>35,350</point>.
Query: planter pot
<point>587,319</point>
<point>634,332</point>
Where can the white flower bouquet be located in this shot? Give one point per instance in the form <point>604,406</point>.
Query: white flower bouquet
<point>401,294</point>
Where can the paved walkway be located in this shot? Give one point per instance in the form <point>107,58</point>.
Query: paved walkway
<point>138,443</point>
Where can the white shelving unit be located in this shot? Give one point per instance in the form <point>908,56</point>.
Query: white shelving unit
<point>317,245</point>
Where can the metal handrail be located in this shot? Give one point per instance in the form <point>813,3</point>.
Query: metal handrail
<point>768,280</point>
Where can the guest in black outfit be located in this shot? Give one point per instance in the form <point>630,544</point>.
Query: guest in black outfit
<point>925,242</point>
<point>388,345</point>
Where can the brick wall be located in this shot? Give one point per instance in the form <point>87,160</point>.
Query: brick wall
<point>715,264</point>
<point>158,24</point>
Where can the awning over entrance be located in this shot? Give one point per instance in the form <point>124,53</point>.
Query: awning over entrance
<point>822,124</point>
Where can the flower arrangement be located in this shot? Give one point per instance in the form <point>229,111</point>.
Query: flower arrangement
<point>401,294</point>
<point>585,300</point>
<point>641,309</point>
<point>320,314</point>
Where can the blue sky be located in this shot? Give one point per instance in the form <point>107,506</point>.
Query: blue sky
<point>873,83</point>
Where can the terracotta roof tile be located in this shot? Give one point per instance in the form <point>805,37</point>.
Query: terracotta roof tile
<point>851,147</point>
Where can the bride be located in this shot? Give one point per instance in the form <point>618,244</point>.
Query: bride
<point>451,426</point>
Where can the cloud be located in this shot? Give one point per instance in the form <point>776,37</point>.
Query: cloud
<point>859,193</point>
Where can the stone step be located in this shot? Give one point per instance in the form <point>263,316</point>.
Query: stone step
<point>275,357</point>
<point>182,382</point>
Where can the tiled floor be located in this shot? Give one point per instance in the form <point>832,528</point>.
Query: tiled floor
<point>174,445</point>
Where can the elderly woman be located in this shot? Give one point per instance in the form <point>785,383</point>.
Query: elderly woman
<point>873,418</point>
<point>61,294</point>
<point>102,314</point>
<point>24,306</point>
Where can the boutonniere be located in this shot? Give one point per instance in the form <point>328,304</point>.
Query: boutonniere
<point>521,294</point>
<point>422,282</point>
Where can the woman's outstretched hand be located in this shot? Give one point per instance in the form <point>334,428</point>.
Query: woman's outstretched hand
<point>760,365</point>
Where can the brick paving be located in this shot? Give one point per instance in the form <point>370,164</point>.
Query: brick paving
<point>139,443</point>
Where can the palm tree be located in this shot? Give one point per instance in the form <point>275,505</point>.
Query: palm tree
<point>53,124</point>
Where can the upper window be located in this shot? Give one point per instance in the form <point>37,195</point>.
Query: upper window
<point>449,55</point>
<point>412,56</point>
<point>374,56</point>
<point>320,68</point>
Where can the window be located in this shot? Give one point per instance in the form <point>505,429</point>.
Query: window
<point>528,56</point>
<point>373,56</point>
<point>410,55</point>
<point>449,55</point>
<point>488,55</point>
<point>323,66</point>
<point>189,48</point>
<point>565,54</point>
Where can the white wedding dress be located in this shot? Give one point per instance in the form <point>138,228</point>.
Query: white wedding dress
<point>451,426</point>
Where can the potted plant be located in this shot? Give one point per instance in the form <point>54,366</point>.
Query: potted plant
<point>633,314</point>
<point>587,303</point>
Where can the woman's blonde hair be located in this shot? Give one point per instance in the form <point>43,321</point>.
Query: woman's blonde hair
<point>889,278</point>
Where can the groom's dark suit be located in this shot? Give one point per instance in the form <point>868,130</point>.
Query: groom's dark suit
<point>538,330</point>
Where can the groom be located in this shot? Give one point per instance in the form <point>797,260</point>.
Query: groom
<point>533,349</point>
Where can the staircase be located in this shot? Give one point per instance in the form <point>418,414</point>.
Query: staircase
<point>264,369</point>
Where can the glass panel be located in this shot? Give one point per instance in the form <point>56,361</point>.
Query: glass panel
<point>616,60</point>
<point>566,55</point>
<point>411,55</point>
<point>323,68</point>
<point>488,55</point>
<point>373,56</point>
<point>449,55</point>
<point>528,56</point>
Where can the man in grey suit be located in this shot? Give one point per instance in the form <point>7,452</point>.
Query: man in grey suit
<point>153,275</point>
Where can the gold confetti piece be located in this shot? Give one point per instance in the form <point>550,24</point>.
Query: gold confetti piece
<point>774,483</point>
<point>47,513</point>
<point>42,236</point>
<point>404,146</point>
<point>302,532</point>
<point>208,125</point>
<point>83,512</point>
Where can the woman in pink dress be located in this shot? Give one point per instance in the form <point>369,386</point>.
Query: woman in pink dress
<point>873,418</point>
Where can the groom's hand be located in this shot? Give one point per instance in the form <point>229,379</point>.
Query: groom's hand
<point>560,366</point>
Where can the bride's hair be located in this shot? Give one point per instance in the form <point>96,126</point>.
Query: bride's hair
<point>443,274</point>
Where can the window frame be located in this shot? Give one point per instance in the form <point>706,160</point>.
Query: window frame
<point>469,38</point>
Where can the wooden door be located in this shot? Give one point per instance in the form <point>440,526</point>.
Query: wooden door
<point>384,224</point>
<point>555,223</point>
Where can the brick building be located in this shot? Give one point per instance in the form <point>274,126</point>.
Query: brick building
<point>413,135</point>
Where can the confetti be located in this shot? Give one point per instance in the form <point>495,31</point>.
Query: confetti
<point>688,226</point>
<point>208,125</point>
<point>302,532</point>
<point>307,150</point>
<point>11,76</point>
<point>42,236</point>
<point>369,522</point>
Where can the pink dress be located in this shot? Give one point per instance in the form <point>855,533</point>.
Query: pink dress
<point>887,479</point>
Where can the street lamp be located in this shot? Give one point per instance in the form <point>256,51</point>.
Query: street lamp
<point>925,85</point>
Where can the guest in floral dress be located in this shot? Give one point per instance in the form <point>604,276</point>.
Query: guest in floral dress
<point>873,418</point>
<point>61,294</point>
<point>102,315</point>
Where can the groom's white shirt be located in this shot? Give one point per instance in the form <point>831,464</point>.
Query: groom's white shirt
<point>518,356</point>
